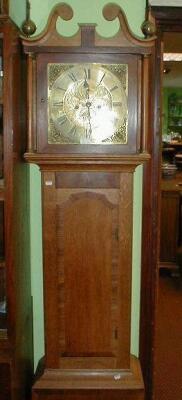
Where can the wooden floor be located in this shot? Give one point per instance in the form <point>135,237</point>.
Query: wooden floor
<point>168,379</point>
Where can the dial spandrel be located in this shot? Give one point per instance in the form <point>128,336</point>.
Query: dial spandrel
<point>87,103</point>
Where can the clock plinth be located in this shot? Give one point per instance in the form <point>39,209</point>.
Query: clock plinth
<point>76,384</point>
<point>88,130</point>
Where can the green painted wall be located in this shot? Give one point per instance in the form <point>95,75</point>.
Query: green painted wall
<point>17,10</point>
<point>22,260</point>
<point>36,261</point>
<point>85,11</point>
<point>91,11</point>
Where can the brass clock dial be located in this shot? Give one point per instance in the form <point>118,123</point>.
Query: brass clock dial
<point>87,103</point>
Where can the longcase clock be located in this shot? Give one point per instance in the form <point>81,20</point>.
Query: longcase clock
<point>87,130</point>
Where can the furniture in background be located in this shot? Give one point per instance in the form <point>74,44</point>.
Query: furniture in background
<point>15,295</point>
<point>172,152</point>
<point>172,113</point>
<point>175,113</point>
<point>171,221</point>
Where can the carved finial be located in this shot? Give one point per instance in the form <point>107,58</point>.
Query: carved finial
<point>28,26</point>
<point>148,27</point>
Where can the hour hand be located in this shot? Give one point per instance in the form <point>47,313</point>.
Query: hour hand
<point>86,85</point>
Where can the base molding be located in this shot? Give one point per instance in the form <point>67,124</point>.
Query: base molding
<point>87,384</point>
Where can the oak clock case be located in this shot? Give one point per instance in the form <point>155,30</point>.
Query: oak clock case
<point>87,133</point>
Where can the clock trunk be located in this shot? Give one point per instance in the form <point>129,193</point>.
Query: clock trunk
<point>87,267</point>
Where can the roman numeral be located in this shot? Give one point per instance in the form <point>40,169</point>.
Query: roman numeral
<point>87,73</point>
<point>88,132</point>
<point>73,130</point>
<point>72,77</point>
<point>117,103</point>
<point>113,88</point>
<point>58,104</point>
<point>103,76</point>
<point>62,119</point>
<point>60,88</point>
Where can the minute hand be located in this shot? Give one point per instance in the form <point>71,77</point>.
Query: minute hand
<point>88,105</point>
<point>98,86</point>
